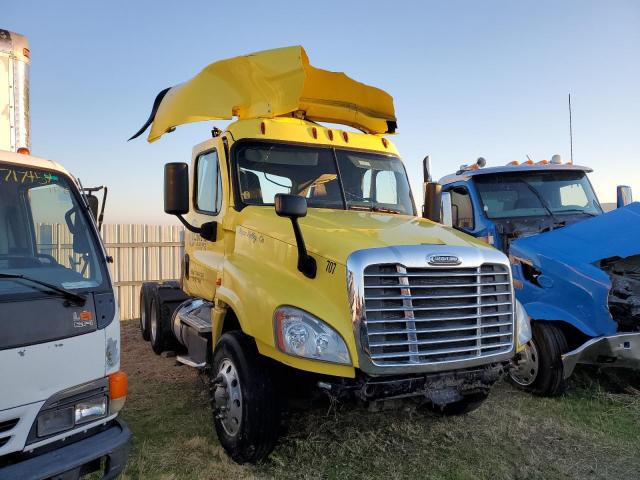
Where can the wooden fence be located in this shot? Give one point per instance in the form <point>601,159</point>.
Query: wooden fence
<point>141,253</point>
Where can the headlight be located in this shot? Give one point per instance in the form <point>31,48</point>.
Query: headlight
<point>90,410</point>
<point>301,334</point>
<point>55,421</point>
<point>65,418</point>
<point>523,324</point>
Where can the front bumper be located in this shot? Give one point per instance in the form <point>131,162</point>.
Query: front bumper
<point>621,350</point>
<point>79,458</point>
<point>440,388</point>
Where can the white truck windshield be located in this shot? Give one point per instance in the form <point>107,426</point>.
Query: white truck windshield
<point>44,235</point>
<point>528,194</point>
<point>326,177</point>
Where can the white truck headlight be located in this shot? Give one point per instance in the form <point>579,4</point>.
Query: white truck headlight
<point>301,334</point>
<point>523,325</point>
<point>88,410</point>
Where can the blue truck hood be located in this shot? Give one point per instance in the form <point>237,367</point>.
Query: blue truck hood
<point>616,233</point>
<point>573,287</point>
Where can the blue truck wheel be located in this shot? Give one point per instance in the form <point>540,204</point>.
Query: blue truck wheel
<point>540,368</point>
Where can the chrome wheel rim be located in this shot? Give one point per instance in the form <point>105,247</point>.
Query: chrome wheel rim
<point>228,398</point>
<point>154,322</point>
<point>526,370</point>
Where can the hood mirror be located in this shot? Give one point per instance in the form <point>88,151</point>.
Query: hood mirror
<point>624,195</point>
<point>294,207</point>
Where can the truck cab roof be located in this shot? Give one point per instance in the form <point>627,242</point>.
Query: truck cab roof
<point>31,161</point>
<point>290,129</point>
<point>468,173</point>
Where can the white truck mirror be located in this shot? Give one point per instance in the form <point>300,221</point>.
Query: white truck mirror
<point>624,195</point>
<point>447,215</point>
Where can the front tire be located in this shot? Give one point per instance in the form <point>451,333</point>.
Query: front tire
<point>540,370</point>
<point>246,408</point>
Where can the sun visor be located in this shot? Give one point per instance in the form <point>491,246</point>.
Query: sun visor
<point>269,84</point>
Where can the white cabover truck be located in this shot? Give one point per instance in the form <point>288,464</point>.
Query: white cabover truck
<point>61,387</point>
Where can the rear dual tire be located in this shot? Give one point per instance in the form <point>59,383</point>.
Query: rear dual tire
<point>155,314</point>
<point>146,294</point>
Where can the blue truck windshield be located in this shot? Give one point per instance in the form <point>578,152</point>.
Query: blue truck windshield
<point>326,177</point>
<point>529,194</point>
<point>45,235</point>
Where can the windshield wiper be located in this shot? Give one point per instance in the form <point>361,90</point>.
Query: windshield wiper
<point>541,200</point>
<point>68,294</point>
<point>385,210</point>
<point>576,210</point>
<point>374,208</point>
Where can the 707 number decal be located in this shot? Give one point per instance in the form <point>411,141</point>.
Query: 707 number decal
<point>331,267</point>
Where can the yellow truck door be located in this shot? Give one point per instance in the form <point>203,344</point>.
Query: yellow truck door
<point>203,268</point>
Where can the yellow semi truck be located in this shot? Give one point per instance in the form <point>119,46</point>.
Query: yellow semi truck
<point>306,266</point>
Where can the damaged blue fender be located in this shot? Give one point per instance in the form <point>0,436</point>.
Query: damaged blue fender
<point>559,270</point>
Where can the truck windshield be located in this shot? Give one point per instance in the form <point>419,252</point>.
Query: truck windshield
<point>528,194</point>
<point>326,177</point>
<point>45,236</point>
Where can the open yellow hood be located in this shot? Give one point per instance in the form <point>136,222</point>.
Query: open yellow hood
<point>269,84</point>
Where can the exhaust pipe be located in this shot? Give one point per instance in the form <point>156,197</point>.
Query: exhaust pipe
<point>14,93</point>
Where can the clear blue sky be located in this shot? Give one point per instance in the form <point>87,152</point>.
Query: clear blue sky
<point>469,78</point>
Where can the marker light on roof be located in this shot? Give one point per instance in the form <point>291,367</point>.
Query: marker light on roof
<point>543,162</point>
<point>556,159</point>
<point>513,162</point>
<point>528,162</point>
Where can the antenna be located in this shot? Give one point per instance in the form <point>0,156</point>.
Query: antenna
<point>570,130</point>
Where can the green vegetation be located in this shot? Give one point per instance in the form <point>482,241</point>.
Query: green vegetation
<point>592,432</point>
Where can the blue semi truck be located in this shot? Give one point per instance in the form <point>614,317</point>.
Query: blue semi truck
<point>576,269</point>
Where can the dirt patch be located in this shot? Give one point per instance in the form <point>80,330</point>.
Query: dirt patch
<point>139,361</point>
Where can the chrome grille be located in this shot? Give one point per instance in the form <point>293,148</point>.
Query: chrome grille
<point>416,316</point>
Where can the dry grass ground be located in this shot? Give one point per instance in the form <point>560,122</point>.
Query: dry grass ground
<point>592,432</point>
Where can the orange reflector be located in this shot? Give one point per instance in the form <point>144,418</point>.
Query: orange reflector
<point>385,142</point>
<point>26,52</point>
<point>263,127</point>
<point>314,132</point>
<point>513,162</point>
<point>118,385</point>
<point>528,162</point>
<point>330,133</point>
<point>543,162</point>
<point>345,136</point>
<point>23,151</point>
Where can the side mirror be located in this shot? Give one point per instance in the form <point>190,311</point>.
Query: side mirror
<point>431,208</point>
<point>447,209</point>
<point>176,188</point>
<point>294,207</point>
<point>176,199</point>
<point>290,206</point>
<point>94,205</point>
<point>624,195</point>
